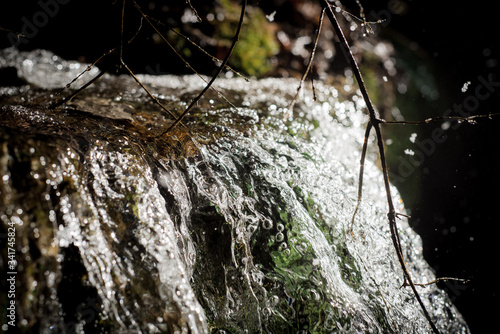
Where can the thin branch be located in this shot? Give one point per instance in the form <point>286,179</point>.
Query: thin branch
<point>148,92</point>
<point>437,280</point>
<point>148,20</point>
<point>102,72</point>
<point>361,171</point>
<point>315,98</point>
<point>89,67</point>
<point>178,33</point>
<point>311,58</point>
<point>470,119</point>
<point>122,28</point>
<point>123,64</point>
<point>362,19</point>
<point>361,11</point>
<point>375,123</point>
<point>18,34</point>
<point>219,70</point>
<point>194,10</point>
<point>364,22</point>
<point>9,30</point>
<point>215,59</point>
<point>76,92</point>
<point>188,65</point>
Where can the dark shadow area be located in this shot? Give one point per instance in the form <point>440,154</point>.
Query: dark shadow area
<point>456,213</point>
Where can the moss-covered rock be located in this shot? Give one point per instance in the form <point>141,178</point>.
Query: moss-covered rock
<point>236,221</point>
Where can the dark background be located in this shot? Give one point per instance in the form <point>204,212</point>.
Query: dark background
<point>456,211</point>
<point>456,215</point>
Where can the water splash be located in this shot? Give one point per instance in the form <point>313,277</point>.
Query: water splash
<point>239,228</point>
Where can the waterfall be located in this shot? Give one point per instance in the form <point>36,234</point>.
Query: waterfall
<point>236,222</point>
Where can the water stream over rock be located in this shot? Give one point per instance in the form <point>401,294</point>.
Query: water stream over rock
<point>236,222</point>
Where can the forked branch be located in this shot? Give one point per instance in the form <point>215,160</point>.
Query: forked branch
<point>375,123</point>
<point>311,60</point>
<point>469,119</point>
<point>122,64</point>
<point>219,70</point>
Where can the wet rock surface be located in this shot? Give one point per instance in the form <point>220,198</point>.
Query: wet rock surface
<point>236,222</point>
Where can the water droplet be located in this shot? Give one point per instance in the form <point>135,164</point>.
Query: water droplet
<point>309,294</point>
<point>280,237</point>
<point>267,224</point>
<point>409,152</point>
<point>301,247</point>
<point>445,125</point>
<point>465,86</point>
<point>413,136</point>
<point>267,311</point>
<point>251,228</point>
<point>283,246</point>
<point>274,300</point>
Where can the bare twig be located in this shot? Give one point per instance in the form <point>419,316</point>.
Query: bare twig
<point>148,92</point>
<point>120,51</point>
<point>362,17</point>
<point>361,171</point>
<point>437,280</point>
<point>188,39</point>
<point>469,119</point>
<point>375,123</point>
<point>122,28</point>
<point>219,70</point>
<point>76,92</point>
<point>194,10</point>
<point>215,59</point>
<point>188,65</point>
<point>311,59</point>
<point>89,67</point>
<point>9,30</point>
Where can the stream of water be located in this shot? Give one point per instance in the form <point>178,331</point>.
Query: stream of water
<point>239,225</point>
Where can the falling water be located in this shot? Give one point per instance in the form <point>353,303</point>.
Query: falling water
<point>237,221</point>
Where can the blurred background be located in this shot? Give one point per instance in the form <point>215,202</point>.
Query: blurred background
<point>426,59</point>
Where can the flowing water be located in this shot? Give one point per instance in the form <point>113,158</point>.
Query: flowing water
<point>238,225</point>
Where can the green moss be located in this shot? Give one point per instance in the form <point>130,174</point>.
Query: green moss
<point>257,42</point>
<point>351,274</point>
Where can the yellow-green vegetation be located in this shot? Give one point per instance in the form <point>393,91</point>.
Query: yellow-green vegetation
<point>257,42</point>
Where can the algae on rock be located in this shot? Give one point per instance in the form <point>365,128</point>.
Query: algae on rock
<point>238,225</point>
